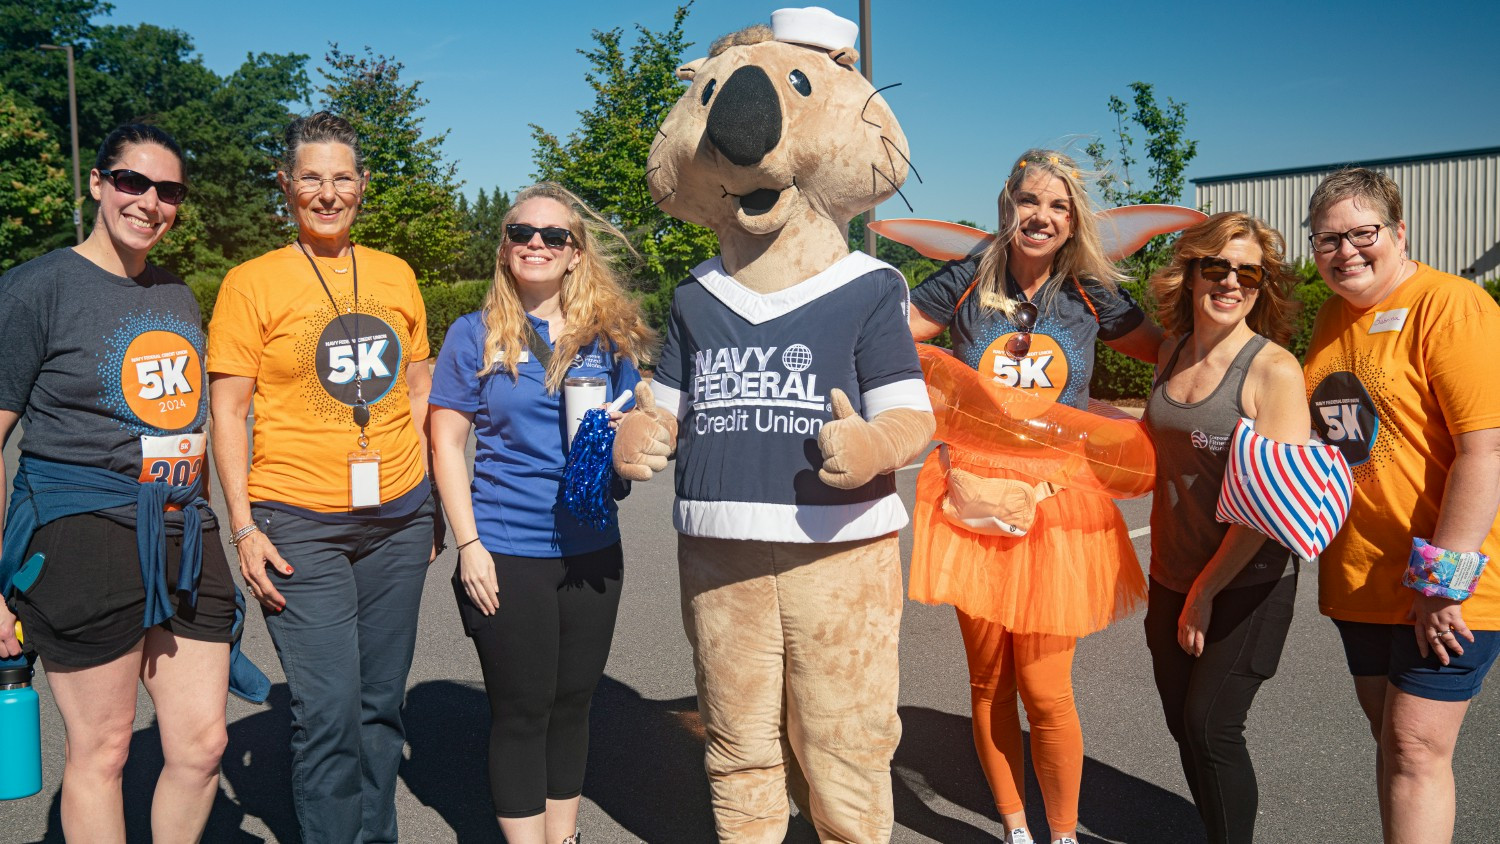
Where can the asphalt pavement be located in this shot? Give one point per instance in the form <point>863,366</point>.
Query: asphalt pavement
<point>1313,754</point>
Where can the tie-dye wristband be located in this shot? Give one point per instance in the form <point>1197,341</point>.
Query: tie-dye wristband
<point>1440,573</point>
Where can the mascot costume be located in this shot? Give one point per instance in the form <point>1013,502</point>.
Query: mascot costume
<point>789,390</point>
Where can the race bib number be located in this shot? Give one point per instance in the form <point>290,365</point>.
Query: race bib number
<point>174,460</point>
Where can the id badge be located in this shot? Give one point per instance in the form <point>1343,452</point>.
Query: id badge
<point>364,479</point>
<point>176,459</point>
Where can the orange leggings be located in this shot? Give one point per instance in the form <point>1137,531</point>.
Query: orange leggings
<point>1041,666</point>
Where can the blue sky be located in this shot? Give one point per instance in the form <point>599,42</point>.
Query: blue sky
<point>1268,85</point>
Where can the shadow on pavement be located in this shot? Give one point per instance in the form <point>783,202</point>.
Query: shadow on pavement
<point>936,759</point>
<point>257,763</point>
<point>447,735</point>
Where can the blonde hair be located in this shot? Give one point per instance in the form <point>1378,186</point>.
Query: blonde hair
<point>595,304</point>
<point>1081,257</point>
<point>1172,286</point>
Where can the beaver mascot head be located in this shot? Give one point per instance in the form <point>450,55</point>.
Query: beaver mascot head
<point>776,145</point>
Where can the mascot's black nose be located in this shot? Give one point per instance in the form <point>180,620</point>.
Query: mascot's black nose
<point>745,121</point>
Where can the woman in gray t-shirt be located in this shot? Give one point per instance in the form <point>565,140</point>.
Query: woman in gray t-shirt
<point>1220,599</point>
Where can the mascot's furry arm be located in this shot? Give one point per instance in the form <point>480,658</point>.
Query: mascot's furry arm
<point>647,436</point>
<point>854,451</point>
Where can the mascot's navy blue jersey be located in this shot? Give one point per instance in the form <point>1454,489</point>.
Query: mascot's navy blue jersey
<point>749,377</point>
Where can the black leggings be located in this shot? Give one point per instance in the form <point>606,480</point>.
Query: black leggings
<point>542,655</point>
<point>1206,699</point>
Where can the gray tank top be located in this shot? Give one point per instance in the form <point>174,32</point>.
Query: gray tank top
<point>1192,451</point>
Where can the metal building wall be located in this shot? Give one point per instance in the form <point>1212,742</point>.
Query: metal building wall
<point>1452,206</point>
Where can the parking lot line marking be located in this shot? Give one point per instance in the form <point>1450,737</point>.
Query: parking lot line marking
<point>1138,532</point>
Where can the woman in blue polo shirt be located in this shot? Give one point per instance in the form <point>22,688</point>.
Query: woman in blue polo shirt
<point>537,588</point>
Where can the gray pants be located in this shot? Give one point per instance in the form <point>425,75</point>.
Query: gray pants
<point>345,641</point>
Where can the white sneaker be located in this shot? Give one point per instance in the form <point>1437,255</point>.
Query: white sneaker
<point>1019,836</point>
<point>1066,840</point>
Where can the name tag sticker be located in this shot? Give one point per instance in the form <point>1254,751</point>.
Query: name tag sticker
<point>1389,321</point>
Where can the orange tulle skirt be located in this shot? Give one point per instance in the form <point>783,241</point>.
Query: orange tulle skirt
<point>1074,573</point>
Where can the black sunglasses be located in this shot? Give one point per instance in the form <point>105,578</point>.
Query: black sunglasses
<point>134,184</point>
<point>1020,342</point>
<point>555,237</point>
<point>1218,269</point>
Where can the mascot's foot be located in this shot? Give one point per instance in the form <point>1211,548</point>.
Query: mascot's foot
<point>795,646</point>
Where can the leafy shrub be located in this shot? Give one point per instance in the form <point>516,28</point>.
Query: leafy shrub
<point>205,287</point>
<point>447,302</point>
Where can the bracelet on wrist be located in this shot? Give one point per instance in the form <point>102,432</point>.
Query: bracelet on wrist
<point>1440,573</point>
<point>238,536</point>
<point>463,545</point>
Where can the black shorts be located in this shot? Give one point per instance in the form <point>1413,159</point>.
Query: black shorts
<point>86,606</point>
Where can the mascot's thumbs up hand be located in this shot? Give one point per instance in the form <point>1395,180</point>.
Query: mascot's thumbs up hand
<point>645,439</point>
<point>854,451</point>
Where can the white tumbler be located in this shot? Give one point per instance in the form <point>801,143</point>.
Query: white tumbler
<point>581,393</point>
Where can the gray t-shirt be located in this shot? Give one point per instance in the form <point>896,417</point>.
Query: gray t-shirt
<point>1071,314</point>
<point>106,371</point>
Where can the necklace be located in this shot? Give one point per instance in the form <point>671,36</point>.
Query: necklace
<point>327,266</point>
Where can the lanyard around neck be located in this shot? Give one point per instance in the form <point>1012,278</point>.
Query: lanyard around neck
<point>361,408</point>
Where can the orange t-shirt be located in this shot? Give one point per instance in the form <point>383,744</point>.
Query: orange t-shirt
<point>1391,386</point>
<point>274,323</point>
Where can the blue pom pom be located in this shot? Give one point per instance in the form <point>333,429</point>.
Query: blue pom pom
<point>590,472</point>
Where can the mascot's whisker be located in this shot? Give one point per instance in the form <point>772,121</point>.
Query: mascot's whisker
<point>658,202</point>
<point>891,145</point>
<point>871,97</point>
<point>897,186</point>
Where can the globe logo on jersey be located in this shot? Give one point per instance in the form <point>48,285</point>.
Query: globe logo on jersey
<point>796,358</point>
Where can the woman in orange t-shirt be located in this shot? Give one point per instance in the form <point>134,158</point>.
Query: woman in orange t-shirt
<point>334,522</point>
<point>1398,374</point>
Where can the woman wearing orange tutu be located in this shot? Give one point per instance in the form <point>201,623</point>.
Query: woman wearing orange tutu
<point>1026,312</point>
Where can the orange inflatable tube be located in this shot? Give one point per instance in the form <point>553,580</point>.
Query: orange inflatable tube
<point>1101,450</point>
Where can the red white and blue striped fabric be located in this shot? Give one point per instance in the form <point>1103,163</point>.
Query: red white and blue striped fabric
<point>1297,495</point>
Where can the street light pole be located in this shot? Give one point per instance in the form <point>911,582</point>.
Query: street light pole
<point>867,67</point>
<point>73,126</point>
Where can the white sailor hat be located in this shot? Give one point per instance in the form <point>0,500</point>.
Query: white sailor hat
<point>814,26</point>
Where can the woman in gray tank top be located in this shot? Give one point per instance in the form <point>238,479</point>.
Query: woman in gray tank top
<point>1221,596</point>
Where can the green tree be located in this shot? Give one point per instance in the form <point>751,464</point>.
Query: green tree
<point>1168,150</point>
<point>411,206</point>
<point>35,189</point>
<point>604,160</point>
<point>481,223</point>
<point>228,126</point>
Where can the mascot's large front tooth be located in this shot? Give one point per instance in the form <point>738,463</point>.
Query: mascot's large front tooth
<point>745,121</point>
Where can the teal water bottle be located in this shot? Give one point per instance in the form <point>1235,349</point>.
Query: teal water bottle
<point>21,725</point>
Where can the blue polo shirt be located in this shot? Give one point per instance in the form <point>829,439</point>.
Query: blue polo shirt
<point>519,431</point>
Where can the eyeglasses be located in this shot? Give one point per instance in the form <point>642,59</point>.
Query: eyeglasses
<point>1217,270</point>
<point>134,184</point>
<point>346,185</point>
<point>1020,342</point>
<point>555,237</point>
<point>1325,242</point>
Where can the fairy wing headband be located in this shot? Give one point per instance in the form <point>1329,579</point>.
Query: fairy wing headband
<point>1122,231</point>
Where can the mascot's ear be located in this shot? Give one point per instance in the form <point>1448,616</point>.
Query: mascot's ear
<point>845,56</point>
<point>688,71</point>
